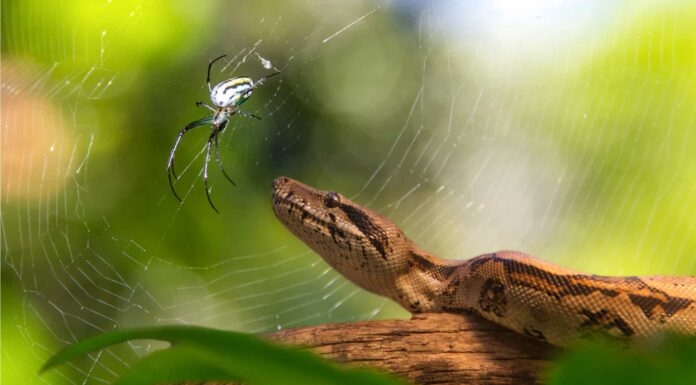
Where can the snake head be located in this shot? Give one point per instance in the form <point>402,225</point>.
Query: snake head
<point>364,246</point>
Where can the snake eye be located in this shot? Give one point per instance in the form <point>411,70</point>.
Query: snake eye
<point>332,200</point>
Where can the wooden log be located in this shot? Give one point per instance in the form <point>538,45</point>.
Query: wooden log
<point>430,349</point>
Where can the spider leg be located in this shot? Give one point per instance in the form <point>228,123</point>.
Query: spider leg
<point>217,154</point>
<point>205,171</point>
<point>247,114</point>
<point>194,124</point>
<point>170,162</point>
<point>210,65</point>
<point>203,104</point>
<point>263,79</point>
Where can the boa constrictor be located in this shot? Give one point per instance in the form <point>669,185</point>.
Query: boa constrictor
<point>512,289</point>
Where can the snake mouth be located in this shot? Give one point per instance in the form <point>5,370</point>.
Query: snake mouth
<point>294,202</point>
<point>278,198</point>
<point>289,192</point>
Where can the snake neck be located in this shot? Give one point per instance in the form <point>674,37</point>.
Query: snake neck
<point>364,246</point>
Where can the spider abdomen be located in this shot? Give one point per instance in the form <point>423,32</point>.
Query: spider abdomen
<point>232,92</point>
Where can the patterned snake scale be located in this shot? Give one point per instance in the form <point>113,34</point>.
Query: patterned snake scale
<point>512,289</point>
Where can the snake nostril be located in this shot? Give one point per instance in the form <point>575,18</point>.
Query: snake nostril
<point>279,181</point>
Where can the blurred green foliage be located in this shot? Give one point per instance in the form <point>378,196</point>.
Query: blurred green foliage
<point>201,354</point>
<point>670,360</point>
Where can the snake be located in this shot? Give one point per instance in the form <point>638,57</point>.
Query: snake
<point>530,296</point>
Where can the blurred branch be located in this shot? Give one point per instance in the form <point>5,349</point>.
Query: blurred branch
<point>430,349</point>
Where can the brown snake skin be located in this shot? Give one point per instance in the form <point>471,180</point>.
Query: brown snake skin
<point>515,290</point>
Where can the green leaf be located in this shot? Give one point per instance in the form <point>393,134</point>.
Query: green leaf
<point>171,366</point>
<point>240,356</point>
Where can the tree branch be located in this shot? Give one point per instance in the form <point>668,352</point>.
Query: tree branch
<point>430,349</point>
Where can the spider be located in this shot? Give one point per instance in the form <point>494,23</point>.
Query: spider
<point>226,97</point>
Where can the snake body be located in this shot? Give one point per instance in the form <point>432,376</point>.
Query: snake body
<point>532,297</point>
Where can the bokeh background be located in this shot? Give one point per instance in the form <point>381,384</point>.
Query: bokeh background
<point>561,128</point>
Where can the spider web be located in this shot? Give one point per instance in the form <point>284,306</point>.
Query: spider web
<point>561,130</point>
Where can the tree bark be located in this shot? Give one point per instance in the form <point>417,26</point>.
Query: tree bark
<point>430,349</point>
